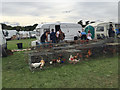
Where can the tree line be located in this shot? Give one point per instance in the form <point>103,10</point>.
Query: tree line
<point>19,28</point>
<point>31,28</point>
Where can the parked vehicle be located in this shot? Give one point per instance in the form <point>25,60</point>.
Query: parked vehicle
<point>99,29</point>
<point>9,34</point>
<point>32,34</point>
<point>3,43</point>
<point>69,29</point>
<point>24,34</point>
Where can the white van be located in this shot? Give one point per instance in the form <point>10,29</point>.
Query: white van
<point>69,29</point>
<point>3,43</point>
<point>99,29</point>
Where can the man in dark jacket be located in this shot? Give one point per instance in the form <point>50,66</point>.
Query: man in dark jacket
<point>44,37</point>
<point>53,36</point>
<point>111,31</point>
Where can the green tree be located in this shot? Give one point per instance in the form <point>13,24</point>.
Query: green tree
<point>19,28</point>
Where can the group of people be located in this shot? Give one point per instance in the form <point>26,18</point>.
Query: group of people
<point>83,35</point>
<point>53,37</point>
<point>59,36</point>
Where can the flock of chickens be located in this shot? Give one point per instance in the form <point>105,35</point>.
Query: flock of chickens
<point>72,59</point>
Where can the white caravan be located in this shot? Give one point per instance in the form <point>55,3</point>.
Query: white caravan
<point>3,43</point>
<point>69,29</point>
<point>32,34</point>
<point>99,29</point>
<point>24,34</point>
<point>9,34</point>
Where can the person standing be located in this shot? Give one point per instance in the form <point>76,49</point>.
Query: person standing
<point>61,35</point>
<point>83,35</point>
<point>44,37</point>
<point>57,36</point>
<point>53,36</point>
<point>89,35</point>
<point>111,31</point>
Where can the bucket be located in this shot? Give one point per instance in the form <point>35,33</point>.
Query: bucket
<point>19,45</point>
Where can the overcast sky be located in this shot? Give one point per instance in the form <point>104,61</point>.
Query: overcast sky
<point>29,13</point>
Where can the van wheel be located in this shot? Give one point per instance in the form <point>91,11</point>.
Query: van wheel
<point>75,38</point>
<point>4,53</point>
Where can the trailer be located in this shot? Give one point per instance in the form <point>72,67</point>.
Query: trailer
<point>24,34</point>
<point>32,34</point>
<point>69,29</point>
<point>99,29</point>
<point>9,34</point>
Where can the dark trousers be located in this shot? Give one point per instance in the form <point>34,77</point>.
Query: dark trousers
<point>111,34</point>
<point>54,41</point>
<point>42,41</point>
<point>83,37</point>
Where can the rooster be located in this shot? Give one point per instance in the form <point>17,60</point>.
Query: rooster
<point>73,59</point>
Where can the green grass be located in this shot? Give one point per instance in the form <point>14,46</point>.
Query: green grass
<point>100,73</point>
<point>95,73</point>
<point>12,44</point>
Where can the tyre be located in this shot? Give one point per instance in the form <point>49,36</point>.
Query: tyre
<point>75,38</point>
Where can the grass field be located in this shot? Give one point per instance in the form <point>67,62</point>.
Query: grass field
<point>95,73</point>
<point>12,44</point>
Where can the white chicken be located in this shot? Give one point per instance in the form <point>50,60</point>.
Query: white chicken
<point>35,65</point>
<point>41,64</point>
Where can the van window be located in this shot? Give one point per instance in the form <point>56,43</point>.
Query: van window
<point>46,29</point>
<point>5,33</point>
<point>38,32</point>
<point>100,28</point>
